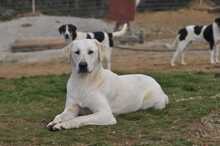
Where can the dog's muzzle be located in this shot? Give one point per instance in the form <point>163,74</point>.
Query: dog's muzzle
<point>83,67</point>
<point>66,36</point>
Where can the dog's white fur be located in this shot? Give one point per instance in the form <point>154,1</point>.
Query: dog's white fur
<point>103,92</point>
<point>106,53</point>
<point>191,36</point>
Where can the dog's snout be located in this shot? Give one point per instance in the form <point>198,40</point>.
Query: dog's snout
<point>83,67</point>
<point>66,36</point>
<point>83,64</point>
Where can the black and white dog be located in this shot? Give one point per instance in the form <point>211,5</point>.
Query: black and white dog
<point>209,33</point>
<point>70,33</point>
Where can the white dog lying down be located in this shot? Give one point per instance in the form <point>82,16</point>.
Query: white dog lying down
<point>102,91</point>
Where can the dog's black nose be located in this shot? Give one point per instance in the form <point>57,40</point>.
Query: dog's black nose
<point>66,36</point>
<point>83,67</point>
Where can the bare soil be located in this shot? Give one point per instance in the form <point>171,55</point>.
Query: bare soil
<point>206,131</point>
<point>124,61</point>
<point>165,24</point>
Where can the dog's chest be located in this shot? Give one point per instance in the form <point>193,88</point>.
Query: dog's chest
<point>83,95</point>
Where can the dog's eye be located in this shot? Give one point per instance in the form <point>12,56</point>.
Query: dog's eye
<point>77,52</point>
<point>90,52</point>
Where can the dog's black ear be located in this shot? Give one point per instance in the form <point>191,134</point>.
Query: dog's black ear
<point>62,29</point>
<point>72,28</point>
<point>217,21</point>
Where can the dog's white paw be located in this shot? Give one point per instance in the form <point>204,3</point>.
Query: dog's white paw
<point>183,63</point>
<point>212,62</point>
<point>172,64</point>
<point>65,125</point>
<point>51,124</point>
<point>59,127</point>
<point>56,120</point>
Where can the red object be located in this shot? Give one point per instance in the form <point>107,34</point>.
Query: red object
<point>121,10</point>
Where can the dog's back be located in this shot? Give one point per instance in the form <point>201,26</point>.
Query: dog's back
<point>192,33</point>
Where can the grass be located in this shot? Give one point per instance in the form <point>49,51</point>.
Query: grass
<point>28,104</point>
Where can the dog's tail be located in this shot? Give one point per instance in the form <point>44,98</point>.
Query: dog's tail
<point>173,45</point>
<point>121,32</point>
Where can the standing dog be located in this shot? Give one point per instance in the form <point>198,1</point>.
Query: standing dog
<point>102,91</point>
<point>209,33</point>
<point>70,33</point>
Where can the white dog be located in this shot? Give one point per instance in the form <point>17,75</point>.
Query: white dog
<point>102,91</point>
<point>70,33</point>
<point>209,33</point>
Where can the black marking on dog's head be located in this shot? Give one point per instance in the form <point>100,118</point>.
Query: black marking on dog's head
<point>209,36</point>
<point>99,36</point>
<point>217,21</point>
<point>182,34</point>
<point>74,35</point>
<point>72,28</point>
<point>198,29</point>
<point>110,36</point>
<point>62,29</point>
<point>88,36</point>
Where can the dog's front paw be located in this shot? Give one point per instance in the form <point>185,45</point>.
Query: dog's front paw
<point>51,125</point>
<point>172,64</point>
<point>183,63</point>
<point>58,127</point>
<point>56,121</point>
<point>212,61</point>
<point>65,125</point>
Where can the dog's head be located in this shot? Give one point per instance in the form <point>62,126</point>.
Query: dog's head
<point>68,31</point>
<point>85,55</point>
<point>217,21</point>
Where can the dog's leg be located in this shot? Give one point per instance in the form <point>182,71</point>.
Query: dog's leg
<point>107,61</point>
<point>176,54</point>
<point>102,115</point>
<point>109,64</point>
<point>212,56</point>
<point>217,54</point>
<point>68,114</point>
<point>212,52</point>
<point>183,58</point>
<point>99,118</point>
<point>109,54</point>
<point>71,109</point>
<point>180,48</point>
<point>183,53</point>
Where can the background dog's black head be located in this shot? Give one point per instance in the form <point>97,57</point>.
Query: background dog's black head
<point>68,31</point>
<point>217,21</point>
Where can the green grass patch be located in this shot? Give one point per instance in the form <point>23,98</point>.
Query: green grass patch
<point>27,104</point>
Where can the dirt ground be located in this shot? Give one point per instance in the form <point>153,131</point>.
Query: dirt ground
<point>157,25</point>
<point>206,130</point>
<point>125,61</point>
<point>165,24</point>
